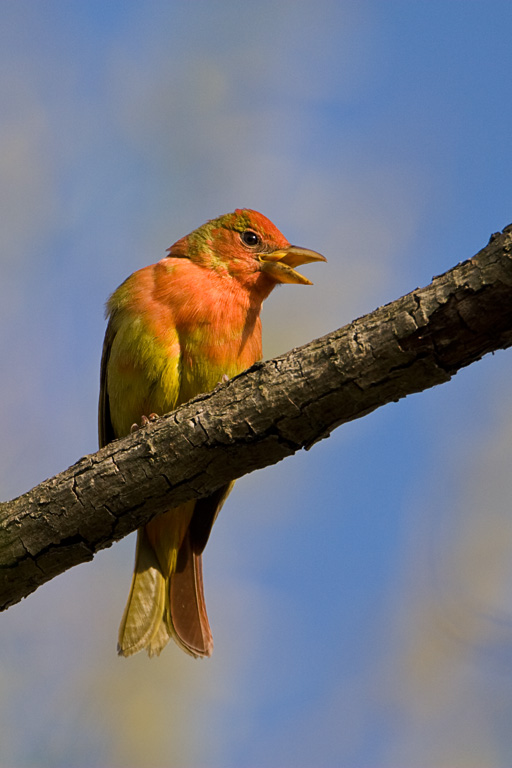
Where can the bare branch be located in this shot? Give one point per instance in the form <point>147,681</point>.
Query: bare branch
<point>259,418</point>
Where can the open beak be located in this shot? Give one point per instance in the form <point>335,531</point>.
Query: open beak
<point>280,264</point>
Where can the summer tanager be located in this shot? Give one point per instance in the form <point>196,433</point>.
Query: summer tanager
<point>176,329</point>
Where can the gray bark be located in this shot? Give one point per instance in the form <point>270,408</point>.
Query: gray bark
<point>260,417</point>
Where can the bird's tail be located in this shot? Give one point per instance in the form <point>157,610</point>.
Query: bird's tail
<point>166,596</point>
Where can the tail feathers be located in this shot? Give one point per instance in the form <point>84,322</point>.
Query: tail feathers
<point>188,620</point>
<point>163,606</point>
<point>145,608</point>
<point>159,639</point>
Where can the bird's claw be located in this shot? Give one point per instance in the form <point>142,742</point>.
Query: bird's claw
<point>144,421</point>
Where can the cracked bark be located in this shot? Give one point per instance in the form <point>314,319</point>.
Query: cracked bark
<point>260,417</point>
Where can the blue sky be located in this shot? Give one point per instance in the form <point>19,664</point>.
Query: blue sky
<point>359,593</point>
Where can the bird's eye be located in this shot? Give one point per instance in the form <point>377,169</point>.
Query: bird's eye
<point>250,238</point>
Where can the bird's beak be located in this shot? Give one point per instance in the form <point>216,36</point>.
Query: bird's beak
<point>280,264</point>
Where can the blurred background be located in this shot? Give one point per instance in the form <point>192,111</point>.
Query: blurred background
<point>360,594</point>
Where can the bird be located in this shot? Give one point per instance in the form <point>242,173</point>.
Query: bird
<point>176,329</point>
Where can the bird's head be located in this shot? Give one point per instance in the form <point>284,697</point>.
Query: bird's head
<point>247,246</point>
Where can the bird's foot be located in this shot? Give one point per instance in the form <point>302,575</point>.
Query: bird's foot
<point>224,379</point>
<point>144,421</point>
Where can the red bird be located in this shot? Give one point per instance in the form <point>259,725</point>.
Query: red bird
<point>175,329</point>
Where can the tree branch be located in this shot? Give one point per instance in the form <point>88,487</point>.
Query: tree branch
<point>258,418</point>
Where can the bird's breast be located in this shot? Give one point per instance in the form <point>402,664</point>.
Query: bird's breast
<point>217,323</point>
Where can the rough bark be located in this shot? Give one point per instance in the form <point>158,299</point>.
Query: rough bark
<point>258,418</point>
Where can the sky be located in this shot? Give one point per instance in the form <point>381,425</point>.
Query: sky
<point>360,593</point>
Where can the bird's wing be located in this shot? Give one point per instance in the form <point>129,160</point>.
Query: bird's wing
<point>205,514</point>
<point>105,429</point>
